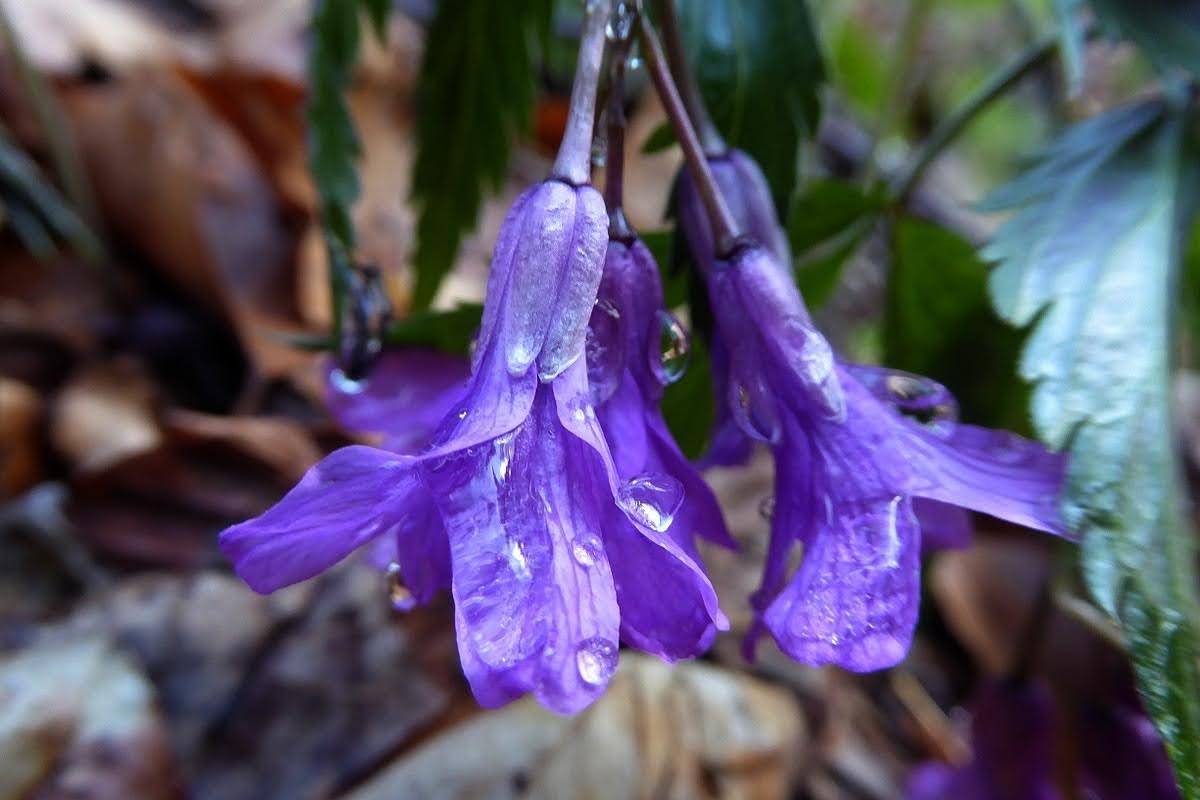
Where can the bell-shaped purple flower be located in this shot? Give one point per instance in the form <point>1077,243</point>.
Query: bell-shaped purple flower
<point>858,451</point>
<point>552,552</point>
<point>668,606</point>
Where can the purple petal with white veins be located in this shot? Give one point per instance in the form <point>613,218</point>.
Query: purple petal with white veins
<point>854,600</point>
<point>532,615</point>
<point>344,501</point>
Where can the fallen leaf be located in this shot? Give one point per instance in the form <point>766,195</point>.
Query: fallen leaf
<point>78,719</point>
<point>684,731</point>
<point>20,437</point>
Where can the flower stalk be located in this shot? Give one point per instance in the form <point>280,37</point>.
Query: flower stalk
<point>725,228</point>
<point>614,176</point>
<point>685,80</point>
<point>573,163</point>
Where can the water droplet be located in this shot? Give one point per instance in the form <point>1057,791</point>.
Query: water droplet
<point>633,62</point>
<point>517,561</point>
<point>604,351</point>
<point>620,25</point>
<point>755,415</point>
<point>587,550</point>
<point>345,384</point>
<point>596,659</point>
<point>462,413</point>
<point>400,596</point>
<point>766,507</point>
<point>651,500</point>
<point>673,350</point>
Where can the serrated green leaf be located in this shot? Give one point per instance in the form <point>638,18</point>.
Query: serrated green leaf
<point>760,70</point>
<point>1167,31</point>
<point>1093,252</point>
<point>475,94</point>
<point>826,224</point>
<point>938,322</point>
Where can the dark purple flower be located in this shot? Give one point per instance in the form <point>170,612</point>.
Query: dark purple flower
<point>516,505</point>
<point>1010,733</point>
<point>855,449</point>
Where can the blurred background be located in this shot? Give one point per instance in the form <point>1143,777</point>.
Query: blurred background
<point>160,254</point>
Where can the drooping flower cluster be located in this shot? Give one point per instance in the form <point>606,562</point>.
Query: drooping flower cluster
<point>542,487</point>
<point>858,451</point>
<point>554,546</point>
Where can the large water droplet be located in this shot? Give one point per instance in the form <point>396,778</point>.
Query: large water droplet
<point>587,550</point>
<point>604,351</point>
<point>345,384</point>
<point>651,500</point>
<point>620,25</point>
<point>596,660</point>
<point>754,412</point>
<point>671,354</point>
<point>399,595</point>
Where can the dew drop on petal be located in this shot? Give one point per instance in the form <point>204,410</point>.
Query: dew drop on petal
<point>596,660</point>
<point>651,500</point>
<point>345,384</point>
<point>587,550</point>
<point>672,352</point>
<point>399,595</point>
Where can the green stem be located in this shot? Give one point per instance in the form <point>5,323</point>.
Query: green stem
<point>998,84</point>
<point>907,46</point>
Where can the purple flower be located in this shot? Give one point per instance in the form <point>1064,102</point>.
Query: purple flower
<point>516,504</point>
<point>856,449</point>
<point>1121,756</point>
<point>1010,731</point>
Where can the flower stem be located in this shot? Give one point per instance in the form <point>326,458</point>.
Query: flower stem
<point>685,80</point>
<point>614,173</point>
<point>1025,62</point>
<point>574,162</point>
<point>725,228</point>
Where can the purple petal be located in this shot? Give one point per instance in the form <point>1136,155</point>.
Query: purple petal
<point>995,472</point>
<point>854,600</point>
<point>535,602</point>
<point>342,502</point>
<point>494,404</point>
<point>728,445</point>
<point>405,397</point>
<point>943,526</point>
<point>668,606</point>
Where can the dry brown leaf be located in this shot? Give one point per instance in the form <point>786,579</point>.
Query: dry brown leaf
<point>105,414</point>
<point>20,445</point>
<point>80,720</point>
<point>176,181</point>
<point>684,731</point>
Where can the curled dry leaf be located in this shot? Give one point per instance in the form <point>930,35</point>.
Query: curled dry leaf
<point>684,731</point>
<point>20,447</point>
<point>105,415</point>
<point>78,719</point>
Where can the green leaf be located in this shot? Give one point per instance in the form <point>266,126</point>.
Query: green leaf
<point>826,224</point>
<point>688,406</point>
<point>1092,253</point>
<point>760,71</point>
<point>34,209</point>
<point>475,94</point>
<point>938,322</point>
<point>659,139</point>
<point>1167,31</point>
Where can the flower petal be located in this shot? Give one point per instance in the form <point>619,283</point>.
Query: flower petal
<point>407,394</point>
<point>854,600</point>
<point>943,526</point>
<point>995,472</point>
<point>341,503</point>
<point>535,602</point>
